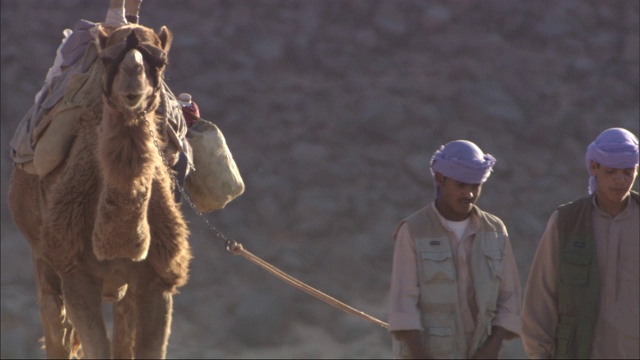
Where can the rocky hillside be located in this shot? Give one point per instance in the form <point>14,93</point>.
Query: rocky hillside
<point>332,110</point>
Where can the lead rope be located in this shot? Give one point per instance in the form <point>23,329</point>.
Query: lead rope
<point>237,249</point>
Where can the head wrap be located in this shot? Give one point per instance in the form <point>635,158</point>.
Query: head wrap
<point>463,161</point>
<point>615,148</point>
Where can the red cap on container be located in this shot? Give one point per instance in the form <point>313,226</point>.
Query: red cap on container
<point>189,109</point>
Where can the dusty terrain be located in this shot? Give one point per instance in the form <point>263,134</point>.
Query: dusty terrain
<point>332,110</point>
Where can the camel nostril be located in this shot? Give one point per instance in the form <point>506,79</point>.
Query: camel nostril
<point>132,97</point>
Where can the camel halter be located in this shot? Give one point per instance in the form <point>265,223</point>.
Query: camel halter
<point>236,248</point>
<point>155,62</point>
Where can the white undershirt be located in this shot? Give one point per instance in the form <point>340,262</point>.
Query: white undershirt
<point>458,227</point>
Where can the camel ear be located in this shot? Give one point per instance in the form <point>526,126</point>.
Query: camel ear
<point>166,37</point>
<point>102,37</point>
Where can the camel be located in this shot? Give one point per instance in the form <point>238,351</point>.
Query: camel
<point>104,225</point>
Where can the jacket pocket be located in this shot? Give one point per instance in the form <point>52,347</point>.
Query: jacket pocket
<point>574,268</point>
<point>564,336</point>
<point>494,259</point>
<point>440,341</point>
<point>437,266</point>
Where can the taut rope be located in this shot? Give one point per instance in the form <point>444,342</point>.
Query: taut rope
<point>237,249</point>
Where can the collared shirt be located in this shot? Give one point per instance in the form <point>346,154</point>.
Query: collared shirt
<point>617,329</point>
<point>403,300</point>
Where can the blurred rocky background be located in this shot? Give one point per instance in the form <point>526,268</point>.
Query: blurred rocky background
<point>332,110</point>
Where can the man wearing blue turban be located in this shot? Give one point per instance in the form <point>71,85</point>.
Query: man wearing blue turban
<point>455,289</point>
<point>582,296</point>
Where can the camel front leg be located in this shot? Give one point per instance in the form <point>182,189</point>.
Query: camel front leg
<point>59,337</point>
<point>154,305</point>
<point>124,328</point>
<point>82,294</point>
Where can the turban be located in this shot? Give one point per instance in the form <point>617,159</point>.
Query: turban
<point>463,161</point>
<point>615,148</point>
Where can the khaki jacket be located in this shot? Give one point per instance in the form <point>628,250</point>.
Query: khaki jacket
<point>438,300</point>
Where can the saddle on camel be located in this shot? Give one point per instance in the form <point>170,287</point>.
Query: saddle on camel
<point>199,154</point>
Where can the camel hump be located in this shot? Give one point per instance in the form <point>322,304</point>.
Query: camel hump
<point>76,57</point>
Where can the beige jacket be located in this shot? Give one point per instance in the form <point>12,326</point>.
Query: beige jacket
<point>415,297</point>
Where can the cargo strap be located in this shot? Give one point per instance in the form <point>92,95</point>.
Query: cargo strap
<point>181,168</point>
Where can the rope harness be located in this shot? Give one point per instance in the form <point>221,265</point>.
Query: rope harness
<point>237,249</point>
<point>152,55</point>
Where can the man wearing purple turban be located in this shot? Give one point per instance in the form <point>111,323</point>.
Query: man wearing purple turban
<point>455,289</point>
<point>582,296</point>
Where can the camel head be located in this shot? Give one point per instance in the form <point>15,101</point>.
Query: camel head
<point>134,59</point>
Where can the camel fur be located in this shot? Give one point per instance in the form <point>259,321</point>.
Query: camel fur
<point>104,225</point>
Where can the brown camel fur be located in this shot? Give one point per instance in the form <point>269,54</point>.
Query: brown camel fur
<point>104,225</point>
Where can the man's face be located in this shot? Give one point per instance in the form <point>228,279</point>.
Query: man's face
<point>613,184</point>
<point>456,198</point>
